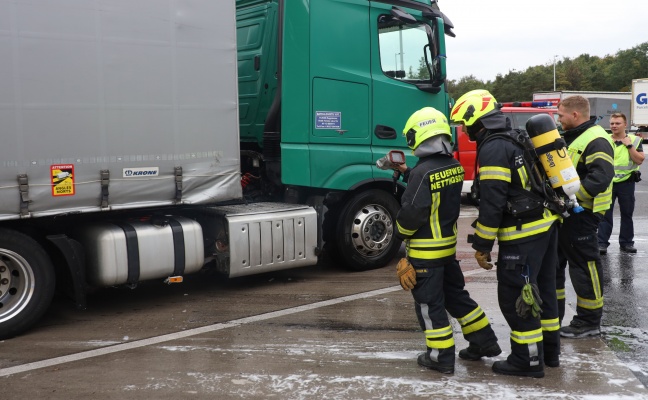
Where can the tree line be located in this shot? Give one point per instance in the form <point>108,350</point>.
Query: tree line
<point>611,73</point>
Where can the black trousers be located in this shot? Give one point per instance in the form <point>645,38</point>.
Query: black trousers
<point>441,288</point>
<point>531,337</point>
<point>625,192</point>
<point>578,247</point>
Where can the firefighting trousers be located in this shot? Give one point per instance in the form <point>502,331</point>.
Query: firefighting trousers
<point>534,262</point>
<point>578,247</point>
<point>441,288</point>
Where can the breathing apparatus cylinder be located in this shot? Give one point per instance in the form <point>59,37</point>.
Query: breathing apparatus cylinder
<point>553,155</point>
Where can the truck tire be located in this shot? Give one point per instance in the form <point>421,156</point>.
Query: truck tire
<point>366,227</point>
<point>27,282</point>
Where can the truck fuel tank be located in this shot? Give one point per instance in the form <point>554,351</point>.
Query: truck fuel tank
<point>131,251</point>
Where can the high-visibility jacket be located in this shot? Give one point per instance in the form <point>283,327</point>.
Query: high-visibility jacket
<point>593,155</point>
<point>430,208</point>
<point>623,164</point>
<point>502,176</point>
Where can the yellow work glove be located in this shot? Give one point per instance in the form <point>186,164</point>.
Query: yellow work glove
<point>483,259</point>
<point>529,301</point>
<point>406,274</point>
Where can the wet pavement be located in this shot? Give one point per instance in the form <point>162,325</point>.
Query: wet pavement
<point>316,332</point>
<point>624,324</point>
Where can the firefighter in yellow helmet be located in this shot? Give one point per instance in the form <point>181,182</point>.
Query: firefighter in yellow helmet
<point>527,257</point>
<point>427,222</point>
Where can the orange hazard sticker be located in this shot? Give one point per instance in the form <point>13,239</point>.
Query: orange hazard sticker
<point>62,179</point>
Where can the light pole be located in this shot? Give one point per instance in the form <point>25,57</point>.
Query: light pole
<point>555,71</point>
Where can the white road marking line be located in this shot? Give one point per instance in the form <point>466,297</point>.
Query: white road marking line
<point>191,332</point>
<point>196,331</point>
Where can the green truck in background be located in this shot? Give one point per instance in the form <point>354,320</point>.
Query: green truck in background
<point>325,88</point>
<point>151,140</point>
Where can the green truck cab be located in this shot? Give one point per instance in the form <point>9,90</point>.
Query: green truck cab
<point>325,88</point>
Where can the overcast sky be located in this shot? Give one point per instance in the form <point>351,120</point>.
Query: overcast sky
<point>498,36</point>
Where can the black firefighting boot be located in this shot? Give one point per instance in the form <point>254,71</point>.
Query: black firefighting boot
<point>578,329</point>
<point>552,360</point>
<point>503,367</point>
<point>475,353</point>
<point>425,361</point>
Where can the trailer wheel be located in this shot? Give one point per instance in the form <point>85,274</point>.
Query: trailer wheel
<point>27,282</point>
<point>365,231</point>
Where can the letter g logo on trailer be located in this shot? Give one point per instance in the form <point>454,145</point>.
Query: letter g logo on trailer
<point>642,99</point>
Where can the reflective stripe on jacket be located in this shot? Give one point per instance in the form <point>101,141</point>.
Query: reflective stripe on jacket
<point>503,175</point>
<point>430,208</point>
<point>588,156</point>
<point>623,164</point>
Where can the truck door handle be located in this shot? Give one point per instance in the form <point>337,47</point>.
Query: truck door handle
<point>257,62</point>
<point>385,132</point>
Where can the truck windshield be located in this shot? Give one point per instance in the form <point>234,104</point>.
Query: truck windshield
<point>402,50</point>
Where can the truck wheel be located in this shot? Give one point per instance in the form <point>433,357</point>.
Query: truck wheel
<point>365,231</point>
<point>27,282</point>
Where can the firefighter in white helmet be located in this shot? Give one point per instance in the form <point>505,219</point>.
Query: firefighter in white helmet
<point>427,222</point>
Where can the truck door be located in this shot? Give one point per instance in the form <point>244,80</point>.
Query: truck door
<point>400,77</point>
<point>256,27</point>
<point>341,89</point>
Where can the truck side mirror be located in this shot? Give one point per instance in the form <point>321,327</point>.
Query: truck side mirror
<point>439,60</point>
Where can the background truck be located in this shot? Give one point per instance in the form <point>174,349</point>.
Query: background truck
<point>518,112</point>
<point>639,111</point>
<point>150,140</point>
<point>602,104</point>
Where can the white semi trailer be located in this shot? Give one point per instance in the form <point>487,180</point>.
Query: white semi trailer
<point>119,127</point>
<point>602,104</point>
<point>639,111</point>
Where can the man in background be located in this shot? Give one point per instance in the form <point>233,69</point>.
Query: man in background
<point>628,156</point>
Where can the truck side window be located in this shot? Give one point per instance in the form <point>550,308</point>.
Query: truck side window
<point>402,50</point>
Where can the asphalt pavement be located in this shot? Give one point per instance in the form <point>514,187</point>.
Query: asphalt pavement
<point>315,332</point>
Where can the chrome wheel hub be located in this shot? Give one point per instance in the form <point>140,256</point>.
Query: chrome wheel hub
<point>372,230</point>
